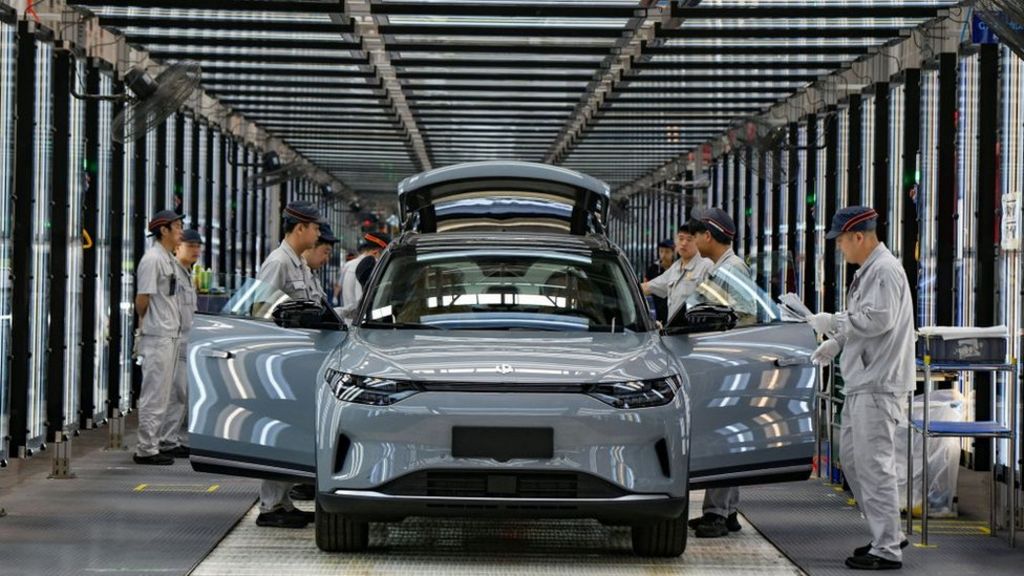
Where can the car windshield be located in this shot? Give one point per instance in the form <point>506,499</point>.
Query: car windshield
<point>254,299</point>
<point>504,290</point>
<point>732,286</point>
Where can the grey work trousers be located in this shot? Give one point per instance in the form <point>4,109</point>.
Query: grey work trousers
<point>721,501</point>
<point>159,358</point>
<point>274,495</point>
<point>174,431</point>
<point>868,452</point>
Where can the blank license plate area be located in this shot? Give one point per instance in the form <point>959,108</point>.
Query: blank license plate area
<point>502,444</point>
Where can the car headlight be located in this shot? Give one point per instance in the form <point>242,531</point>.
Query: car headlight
<point>368,390</point>
<point>635,394</point>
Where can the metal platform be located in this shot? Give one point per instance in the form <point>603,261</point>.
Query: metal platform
<point>424,546</point>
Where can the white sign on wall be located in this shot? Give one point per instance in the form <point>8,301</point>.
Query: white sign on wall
<point>1011,225</point>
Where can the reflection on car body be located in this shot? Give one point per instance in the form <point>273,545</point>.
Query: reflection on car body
<point>504,366</point>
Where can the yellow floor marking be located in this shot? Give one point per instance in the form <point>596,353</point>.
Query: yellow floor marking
<point>204,488</point>
<point>925,546</point>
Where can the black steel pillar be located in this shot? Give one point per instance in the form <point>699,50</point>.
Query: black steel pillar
<point>90,256</point>
<point>116,272</point>
<point>910,186</point>
<point>225,211</point>
<point>208,186</point>
<point>761,189</point>
<point>792,174</point>
<point>141,220</point>
<point>63,70</point>
<point>946,213</point>
<point>831,197</point>
<point>810,208</point>
<point>986,240</point>
<point>854,165</point>
<point>880,161</point>
<point>21,247</point>
<point>193,175</point>
<point>779,248</point>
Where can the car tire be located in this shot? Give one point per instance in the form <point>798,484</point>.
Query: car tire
<point>664,539</point>
<point>339,533</point>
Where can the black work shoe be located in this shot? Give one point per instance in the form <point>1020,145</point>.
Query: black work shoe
<point>154,460</point>
<point>733,523</point>
<point>872,562</point>
<point>281,518</point>
<point>307,516</point>
<point>302,492</point>
<point>863,550</point>
<point>712,526</point>
<point>176,452</point>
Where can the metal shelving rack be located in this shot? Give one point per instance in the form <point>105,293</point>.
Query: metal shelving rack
<point>947,429</point>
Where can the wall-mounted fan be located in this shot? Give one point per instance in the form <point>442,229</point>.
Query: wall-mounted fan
<point>154,100</point>
<point>273,171</point>
<point>1006,19</point>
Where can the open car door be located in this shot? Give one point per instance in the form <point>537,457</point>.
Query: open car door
<point>751,391</point>
<point>252,389</point>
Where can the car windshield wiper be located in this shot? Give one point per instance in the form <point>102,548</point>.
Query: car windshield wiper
<point>398,325</point>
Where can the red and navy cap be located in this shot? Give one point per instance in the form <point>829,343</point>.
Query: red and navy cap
<point>378,239</point>
<point>303,213</point>
<point>164,218</point>
<point>853,219</point>
<point>715,219</point>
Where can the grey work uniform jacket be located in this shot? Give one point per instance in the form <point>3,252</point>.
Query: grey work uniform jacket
<point>876,332</point>
<point>156,278</point>
<point>680,281</point>
<point>287,271</point>
<point>187,301</point>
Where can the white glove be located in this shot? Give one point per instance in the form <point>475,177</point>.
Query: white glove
<point>822,322</point>
<point>824,355</point>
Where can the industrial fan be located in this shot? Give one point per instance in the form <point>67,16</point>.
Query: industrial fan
<point>1006,19</point>
<point>155,99</point>
<point>273,172</point>
<point>764,139</point>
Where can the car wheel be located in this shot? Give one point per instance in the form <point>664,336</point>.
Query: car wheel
<point>339,533</point>
<point>664,539</point>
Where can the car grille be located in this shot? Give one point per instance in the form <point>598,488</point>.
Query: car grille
<point>491,484</point>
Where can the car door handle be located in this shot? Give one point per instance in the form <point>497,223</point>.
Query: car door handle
<point>790,361</point>
<point>216,353</point>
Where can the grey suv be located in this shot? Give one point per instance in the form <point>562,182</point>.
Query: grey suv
<point>503,364</point>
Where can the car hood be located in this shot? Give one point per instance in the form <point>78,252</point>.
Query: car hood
<point>501,356</point>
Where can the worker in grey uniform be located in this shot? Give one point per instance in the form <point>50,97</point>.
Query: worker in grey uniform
<point>174,432</point>
<point>286,271</point>
<point>351,289</point>
<point>681,279</point>
<point>876,337</point>
<point>316,258</point>
<point>713,231</point>
<point>156,303</point>
<point>319,255</point>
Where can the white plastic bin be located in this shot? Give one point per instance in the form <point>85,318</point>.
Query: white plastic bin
<point>943,456</point>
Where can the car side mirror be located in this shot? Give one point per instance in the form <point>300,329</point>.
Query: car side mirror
<point>306,314</point>
<point>702,317</point>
